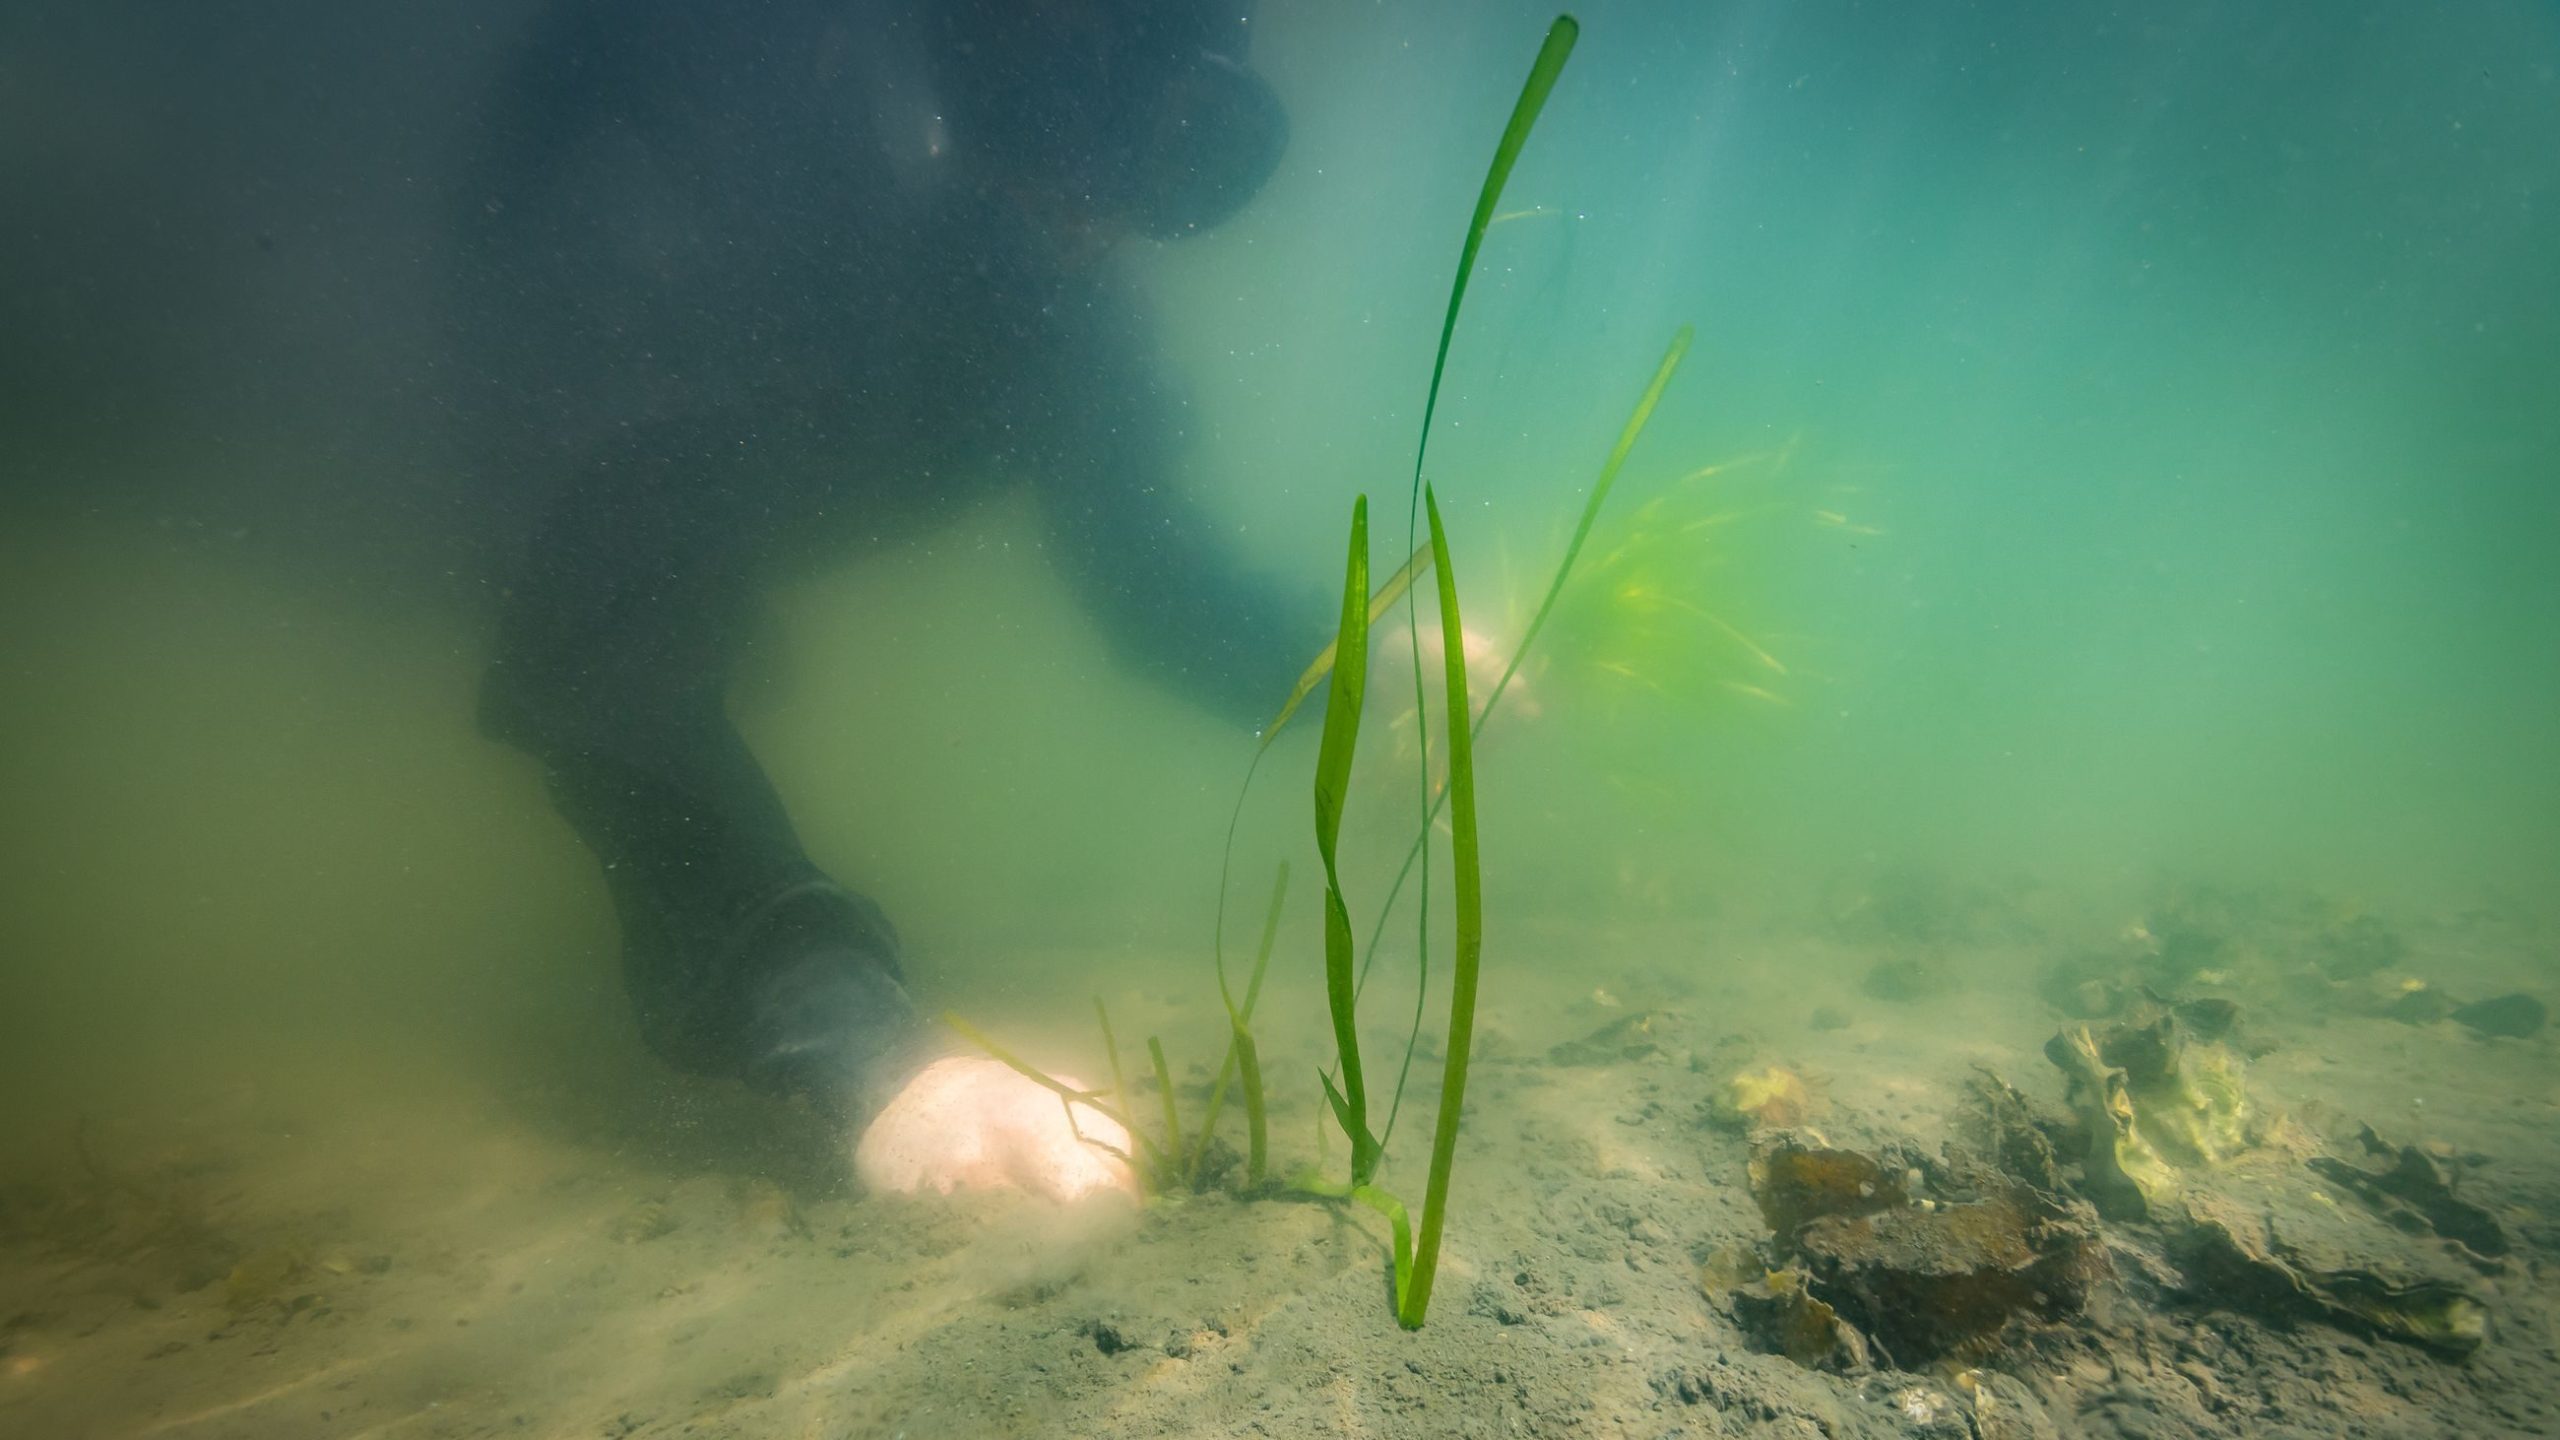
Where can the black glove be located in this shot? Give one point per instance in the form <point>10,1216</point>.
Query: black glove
<point>825,1015</point>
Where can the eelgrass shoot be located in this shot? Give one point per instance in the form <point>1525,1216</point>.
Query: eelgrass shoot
<point>1416,1259</point>
<point>1342,706</point>
<point>1180,1160</point>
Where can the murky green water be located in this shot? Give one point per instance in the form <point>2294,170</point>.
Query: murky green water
<point>2116,458</point>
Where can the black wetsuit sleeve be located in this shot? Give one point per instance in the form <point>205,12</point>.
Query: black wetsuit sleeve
<point>1169,588</point>
<point>611,667</point>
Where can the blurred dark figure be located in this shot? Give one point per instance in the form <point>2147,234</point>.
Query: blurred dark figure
<point>750,278</point>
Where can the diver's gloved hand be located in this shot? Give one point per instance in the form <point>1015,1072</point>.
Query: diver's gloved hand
<point>835,1025</point>
<point>1487,658</point>
<point>966,1122</point>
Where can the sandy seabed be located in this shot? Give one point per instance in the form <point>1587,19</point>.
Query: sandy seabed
<point>520,1267</point>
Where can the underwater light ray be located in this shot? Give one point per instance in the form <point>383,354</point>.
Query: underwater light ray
<point>1600,488</point>
<point>1731,631</point>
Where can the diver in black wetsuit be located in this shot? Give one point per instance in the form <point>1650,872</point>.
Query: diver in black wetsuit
<point>751,277</point>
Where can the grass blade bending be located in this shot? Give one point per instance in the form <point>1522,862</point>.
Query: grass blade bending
<point>1257,1126</point>
<point>1240,1046</point>
<point>1342,705</point>
<point>1111,1049</point>
<point>1164,1084</point>
<point>1468,921</point>
<point>1399,1236</point>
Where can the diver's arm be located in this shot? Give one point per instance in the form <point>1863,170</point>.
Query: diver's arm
<point>1170,592</point>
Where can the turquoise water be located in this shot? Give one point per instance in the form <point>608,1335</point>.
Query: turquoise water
<point>2187,361</point>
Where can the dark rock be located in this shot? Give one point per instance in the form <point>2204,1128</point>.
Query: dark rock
<point>1780,1313</point>
<point>2414,1196</point>
<point>1796,1184</point>
<point>1909,1273</point>
<point>2000,1124</point>
<point>2147,1050</point>
<point>2510,1016</point>
<point>1927,1279</point>
<point>2268,1249</point>
<point>1109,1336</point>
